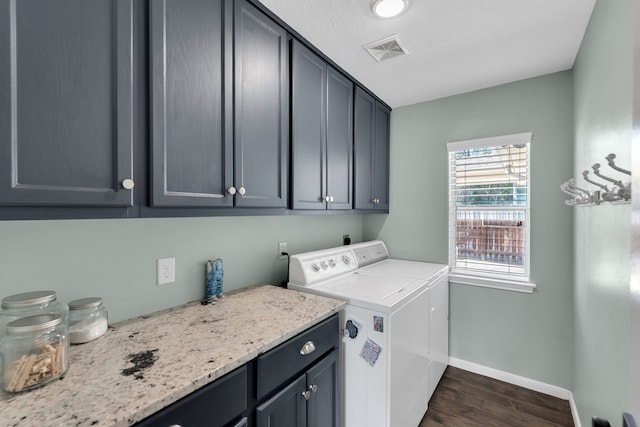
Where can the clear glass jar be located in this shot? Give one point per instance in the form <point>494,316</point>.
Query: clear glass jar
<point>17,306</point>
<point>88,320</point>
<point>35,350</point>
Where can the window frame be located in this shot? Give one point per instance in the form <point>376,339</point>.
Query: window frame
<point>489,279</point>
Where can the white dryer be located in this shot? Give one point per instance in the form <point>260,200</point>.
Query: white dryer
<point>395,344</point>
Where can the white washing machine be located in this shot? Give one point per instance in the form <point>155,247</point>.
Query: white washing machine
<point>395,344</point>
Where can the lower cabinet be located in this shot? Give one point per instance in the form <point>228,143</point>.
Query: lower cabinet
<point>219,404</point>
<point>311,400</point>
<point>292,385</point>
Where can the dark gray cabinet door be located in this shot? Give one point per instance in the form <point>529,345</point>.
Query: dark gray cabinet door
<point>308,126</point>
<point>288,408</point>
<point>322,133</point>
<point>261,59</point>
<point>66,103</point>
<point>191,141</point>
<point>363,142</point>
<point>339,140</point>
<point>323,408</point>
<point>381,158</point>
<point>371,146</point>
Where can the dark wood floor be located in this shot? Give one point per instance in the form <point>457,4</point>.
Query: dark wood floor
<point>465,399</point>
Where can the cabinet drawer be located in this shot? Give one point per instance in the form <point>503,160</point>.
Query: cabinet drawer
<point>285,361</point>
<point>214,405</point>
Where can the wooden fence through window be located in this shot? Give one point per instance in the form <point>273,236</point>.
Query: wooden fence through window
<point>500,241</point>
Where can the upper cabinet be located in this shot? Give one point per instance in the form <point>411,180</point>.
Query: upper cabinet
<point>322,133</point>
<point>118,108</point>
<point>219,105</point>
<point>191,99</point>
<point>261,62</point>
<point>66,103</point>
<point>371,146</point>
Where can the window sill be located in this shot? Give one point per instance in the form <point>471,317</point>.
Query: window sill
<point>487,282</point>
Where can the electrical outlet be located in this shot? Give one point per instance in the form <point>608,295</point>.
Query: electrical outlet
<point>282,247</point>
<point>166,270</point>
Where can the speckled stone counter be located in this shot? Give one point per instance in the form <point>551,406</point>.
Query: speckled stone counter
<point>185,347</point>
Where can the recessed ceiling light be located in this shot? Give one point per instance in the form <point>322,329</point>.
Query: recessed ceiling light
<point>388,8</point>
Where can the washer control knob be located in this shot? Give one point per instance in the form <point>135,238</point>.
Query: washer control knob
<point>346,259</point>
<point>315,267</point>
<point>324,265</point>
<point>332,263</point>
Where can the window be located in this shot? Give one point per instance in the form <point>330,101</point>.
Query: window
<point>489,212</point>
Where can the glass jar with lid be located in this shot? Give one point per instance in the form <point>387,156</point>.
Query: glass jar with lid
<point>35,350</point>
<point>29,304</point>
<point>88,320</point>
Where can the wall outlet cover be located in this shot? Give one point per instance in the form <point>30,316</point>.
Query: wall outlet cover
<point>166,270</point>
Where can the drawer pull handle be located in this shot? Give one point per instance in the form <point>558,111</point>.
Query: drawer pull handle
<point>306,394</point>
<point>313,388</point>
<point>308,348</point>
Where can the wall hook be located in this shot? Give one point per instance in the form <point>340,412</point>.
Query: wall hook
<point>596,170</point>
<point>585,175</point>
<point>610,158</point>
<point>581,197</point>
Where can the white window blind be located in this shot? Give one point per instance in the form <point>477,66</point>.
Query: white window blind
<point>489,201</point>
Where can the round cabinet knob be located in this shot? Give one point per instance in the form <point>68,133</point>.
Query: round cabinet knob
<point>331,198</point>
<point>326,198</point>
<point>232,190</point>
<point>127,184</point>
<point>315,267</point>
<point>242,191</point>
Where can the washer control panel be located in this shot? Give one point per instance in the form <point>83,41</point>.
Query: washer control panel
<point>314,266</point>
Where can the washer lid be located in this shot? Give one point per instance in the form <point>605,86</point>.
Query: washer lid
<point>381,293</point>
<point>401,268</point>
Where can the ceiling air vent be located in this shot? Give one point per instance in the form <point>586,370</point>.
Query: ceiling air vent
<point>386,48</point>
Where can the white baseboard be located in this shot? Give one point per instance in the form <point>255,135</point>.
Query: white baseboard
<point>574,411</point>
<point>534,385</point>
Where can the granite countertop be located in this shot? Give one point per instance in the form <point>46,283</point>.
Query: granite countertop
<point>184,347</point>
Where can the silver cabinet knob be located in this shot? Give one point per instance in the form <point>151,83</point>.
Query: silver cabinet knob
<point>331,198</point>
<point>313,388</point>
<point>326,198</point>
<point>306,394</point>
<point>232,190</point>
<point>127,184</point>
<point>242,191</point>
<point>308,348</point>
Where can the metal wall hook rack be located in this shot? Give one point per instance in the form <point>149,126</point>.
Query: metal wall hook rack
<point>619,193</point>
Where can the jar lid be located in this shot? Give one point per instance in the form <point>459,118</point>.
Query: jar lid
<point>28,299</point>
<point>85,303</point>
<point>33,323</point>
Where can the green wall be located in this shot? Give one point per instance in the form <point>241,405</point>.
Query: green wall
<point>603,124</point>
<point>116,259</point>
<point>524,334</point>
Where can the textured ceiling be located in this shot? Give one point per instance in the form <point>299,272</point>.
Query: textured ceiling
<point>455,46</point>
